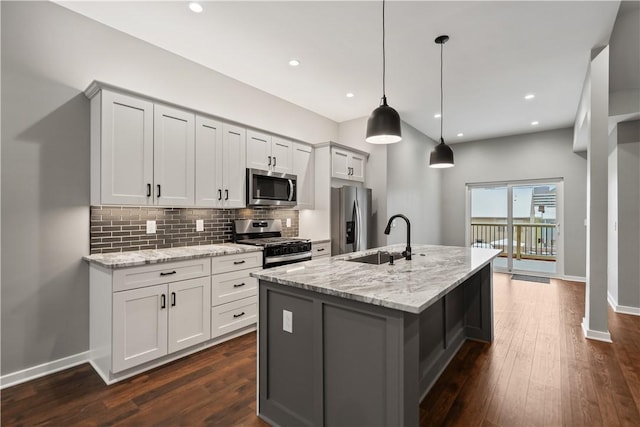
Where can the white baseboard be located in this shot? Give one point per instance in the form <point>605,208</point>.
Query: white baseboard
<point>34,372</point>
<point>622,309</point>
<point>595,335</point>
<point>573,278</point>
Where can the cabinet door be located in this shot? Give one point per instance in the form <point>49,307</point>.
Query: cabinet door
<point>189,313</point>
<point>139,326</point>
<point>234,175</point>
<point>281,155</point>
<point>357,167</point>
<point>304,169</point>
<point>258,151</point>
<point>174,156</point>
<point>208,162</point>
<point>340,164</point>
<point>126,153</point>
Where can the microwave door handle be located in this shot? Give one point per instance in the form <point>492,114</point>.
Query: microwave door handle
<point>291,189</point>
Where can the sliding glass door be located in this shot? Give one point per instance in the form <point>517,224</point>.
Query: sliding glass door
<point>522,220</point>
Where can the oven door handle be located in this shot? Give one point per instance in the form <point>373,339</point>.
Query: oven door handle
<point>291,189</point>
<point>272,259</point>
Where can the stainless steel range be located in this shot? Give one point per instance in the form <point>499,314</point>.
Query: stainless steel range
<point>267,233</point>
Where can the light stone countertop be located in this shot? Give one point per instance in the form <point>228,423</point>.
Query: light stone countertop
<point>154,256</point>
<point>409,286</point>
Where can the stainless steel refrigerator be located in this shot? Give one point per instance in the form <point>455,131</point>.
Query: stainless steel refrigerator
<point>351,220</point>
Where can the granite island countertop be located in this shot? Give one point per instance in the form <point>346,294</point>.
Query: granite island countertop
<point>154,256</point>
<point>409,286</point>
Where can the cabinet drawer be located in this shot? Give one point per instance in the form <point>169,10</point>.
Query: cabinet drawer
<point>147,275</point>
<point>229,317</point>
<point>320,249</point>
<point>232,286</point>
<point>224,264</point>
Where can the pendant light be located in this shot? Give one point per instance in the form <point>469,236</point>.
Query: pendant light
<point>383,126</point>
<point>442,155</point>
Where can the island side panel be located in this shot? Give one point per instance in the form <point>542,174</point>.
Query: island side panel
<point>479,305</point>
<point>288,387</point>
<point>364,365</point>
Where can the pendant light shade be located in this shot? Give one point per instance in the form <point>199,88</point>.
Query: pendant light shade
<point>383,126</point>
<point>442,154</point>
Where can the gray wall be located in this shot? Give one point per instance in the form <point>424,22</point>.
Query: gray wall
<point>539,155</point>
<point>628,214</point>
<point>413,188</point>
<point>49,56</point>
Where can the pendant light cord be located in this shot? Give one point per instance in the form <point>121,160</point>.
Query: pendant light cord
<point>384,65</point>
<point>441,93</point>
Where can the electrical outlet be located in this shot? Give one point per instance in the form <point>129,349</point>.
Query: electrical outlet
<point>287,321</point>
<point>199,225</point>
<point>151,226</point>
<point>288,222</point>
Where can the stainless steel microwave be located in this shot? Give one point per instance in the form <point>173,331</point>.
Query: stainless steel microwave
<point>267,188</point>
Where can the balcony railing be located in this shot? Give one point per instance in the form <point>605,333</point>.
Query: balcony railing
<point>530,241</point>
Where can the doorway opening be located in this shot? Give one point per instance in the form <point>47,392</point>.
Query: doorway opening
<point>520,218</point>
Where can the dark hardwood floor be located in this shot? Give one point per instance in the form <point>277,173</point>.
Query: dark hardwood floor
<point>539,371</point>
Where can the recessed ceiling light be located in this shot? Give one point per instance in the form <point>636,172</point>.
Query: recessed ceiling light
<point>195,7</point>
<point>437,115</point>
<point>529,96</point>
<point>350,95</point>
<point>460,134</point>
<point>294,62</point>
<point>535,123</point>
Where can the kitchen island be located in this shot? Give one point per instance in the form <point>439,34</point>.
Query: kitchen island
<point>344,343</point>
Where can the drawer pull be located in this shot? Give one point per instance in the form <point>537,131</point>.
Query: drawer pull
<point>238,285</point>
<point>239,262</point>
<point>320,250</point>
<point>238,315</point>
<point>169,273</point>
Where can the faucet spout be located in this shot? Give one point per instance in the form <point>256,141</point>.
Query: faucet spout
<point>387,230</point>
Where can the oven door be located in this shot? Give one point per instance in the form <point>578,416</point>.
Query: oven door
<point>276,261</point>
<point>266,188</point>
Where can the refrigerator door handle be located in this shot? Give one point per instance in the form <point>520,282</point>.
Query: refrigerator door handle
<point>354,220</point>
<point>358,227</point>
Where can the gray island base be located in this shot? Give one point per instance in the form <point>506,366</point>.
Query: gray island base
<point>348,344</point>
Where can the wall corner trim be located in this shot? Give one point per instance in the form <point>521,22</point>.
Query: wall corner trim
<point>622,309</point>
<point>595,335</point>
<point>42,370</point>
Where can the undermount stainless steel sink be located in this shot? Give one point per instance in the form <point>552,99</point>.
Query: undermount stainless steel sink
<point>376,258</point>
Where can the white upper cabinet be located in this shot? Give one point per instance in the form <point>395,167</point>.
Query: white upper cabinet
<point>174,156</point>
<point>282,155</point>
<point>347,165</point>
<point>121,150</point>
<point>258,150</point>
<point>220,164</point>
<point>208,162</point>
<point>304,169</point>
<point>269,153</point>
<point>233,170</point>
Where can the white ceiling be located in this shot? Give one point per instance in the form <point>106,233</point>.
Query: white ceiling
<point>498,52</point>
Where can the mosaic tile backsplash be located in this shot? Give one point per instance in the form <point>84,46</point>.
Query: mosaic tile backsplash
<point>123,228</point>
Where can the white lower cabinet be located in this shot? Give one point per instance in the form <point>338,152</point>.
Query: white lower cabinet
<point>234,315</point>
<point>144,316</point>
<point>157,320</point>
<point>234,293</point>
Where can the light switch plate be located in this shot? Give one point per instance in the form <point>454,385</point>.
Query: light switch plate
<point>287,321</point>
<point>151,226</point>
<point>199,225</point>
